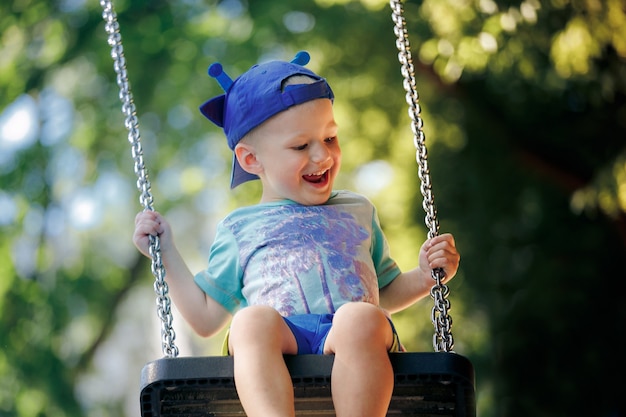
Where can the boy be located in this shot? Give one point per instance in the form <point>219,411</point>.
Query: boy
<point>307,270</point>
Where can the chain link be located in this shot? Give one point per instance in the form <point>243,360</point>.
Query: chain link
<point>131,123</point>
<point>440,317</point>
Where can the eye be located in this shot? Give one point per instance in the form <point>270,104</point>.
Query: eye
<point>300,147</point>
<point>331,139</point>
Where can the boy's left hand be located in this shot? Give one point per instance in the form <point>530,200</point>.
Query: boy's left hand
<point>440,252</point>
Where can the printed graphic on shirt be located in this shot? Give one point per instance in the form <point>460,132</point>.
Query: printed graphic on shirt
<point>305,259</point>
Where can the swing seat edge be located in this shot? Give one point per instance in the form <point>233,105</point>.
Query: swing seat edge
<point>426,384</point>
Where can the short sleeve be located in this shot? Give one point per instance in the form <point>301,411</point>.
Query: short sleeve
<point>386,268</point>
<point>222,279</point>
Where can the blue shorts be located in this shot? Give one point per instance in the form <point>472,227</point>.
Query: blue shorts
<point>311,331</point>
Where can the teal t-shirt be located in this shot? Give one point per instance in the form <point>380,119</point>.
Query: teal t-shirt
<point>299,259</point>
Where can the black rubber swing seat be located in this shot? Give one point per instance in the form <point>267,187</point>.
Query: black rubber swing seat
<point>426,385</point>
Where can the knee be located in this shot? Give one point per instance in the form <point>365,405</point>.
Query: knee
<point>362,323</point>
<point>254,326</point>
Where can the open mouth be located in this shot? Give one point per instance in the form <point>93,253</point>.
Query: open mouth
<point>317,178</point>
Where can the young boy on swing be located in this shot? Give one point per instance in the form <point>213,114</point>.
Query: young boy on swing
<point>307,269</point>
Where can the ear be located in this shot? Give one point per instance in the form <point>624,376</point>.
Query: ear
<point>247,158</point>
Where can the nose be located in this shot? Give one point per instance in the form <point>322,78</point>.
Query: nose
<point>320,153</point>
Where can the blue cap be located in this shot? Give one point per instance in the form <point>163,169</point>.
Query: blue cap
<point>256,96</point>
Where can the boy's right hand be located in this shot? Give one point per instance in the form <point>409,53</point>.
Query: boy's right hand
<point>151,223</point>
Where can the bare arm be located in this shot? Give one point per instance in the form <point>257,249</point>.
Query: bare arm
<point>413,285</point>
<point>205,315</point>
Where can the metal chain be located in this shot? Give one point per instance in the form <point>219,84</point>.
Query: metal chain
<point>163,302</point>
<point>440,317</point>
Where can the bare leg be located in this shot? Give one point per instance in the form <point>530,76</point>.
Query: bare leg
<point>362,376</point>
<point>258,339</point>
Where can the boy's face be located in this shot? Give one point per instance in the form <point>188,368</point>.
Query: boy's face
<point>297,153</point>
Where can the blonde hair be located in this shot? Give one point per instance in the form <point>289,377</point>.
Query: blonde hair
<point>296,80</point>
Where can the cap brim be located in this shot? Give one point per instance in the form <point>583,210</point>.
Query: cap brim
<point>239,175</point>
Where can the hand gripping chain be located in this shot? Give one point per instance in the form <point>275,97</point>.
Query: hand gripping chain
<point>442,339</point>
<point>164,311</point>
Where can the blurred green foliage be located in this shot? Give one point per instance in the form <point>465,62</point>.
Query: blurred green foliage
<point>525,117</point>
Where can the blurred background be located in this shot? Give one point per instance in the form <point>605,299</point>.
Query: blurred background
<point>524,106</point>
